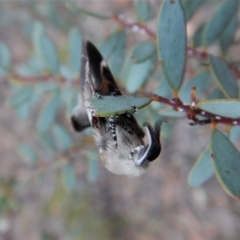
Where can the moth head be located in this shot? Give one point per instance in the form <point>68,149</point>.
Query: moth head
<point>142,155</point>
<point>130,158</point>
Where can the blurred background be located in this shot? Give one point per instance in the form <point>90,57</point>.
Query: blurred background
<point>51,185</point>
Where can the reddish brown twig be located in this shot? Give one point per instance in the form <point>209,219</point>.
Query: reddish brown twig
<point>193,112</point>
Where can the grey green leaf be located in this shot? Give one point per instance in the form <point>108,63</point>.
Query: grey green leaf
<point>171,41</point>
<point>218,23</point>
<point>106,106</point>
<point>226,162</point>
<point>69,177</point>
<point>224,78</point>
<point>143,9</point>
<point>27,153</point>
<point>75,49</point>
<point>139,73</point>
<point>202,169</point>
<point>143,51</point>
<point>48,113</point>
<point>62,138</point>
<point>224,107</point>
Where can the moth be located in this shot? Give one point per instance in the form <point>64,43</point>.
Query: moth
<point>119,138</point>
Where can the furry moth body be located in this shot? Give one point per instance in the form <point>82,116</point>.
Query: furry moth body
<point>118,138</point>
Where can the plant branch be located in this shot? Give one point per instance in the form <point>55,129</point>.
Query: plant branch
<point>142,28</point>
<point>38,79</point>
<point>194,113</point>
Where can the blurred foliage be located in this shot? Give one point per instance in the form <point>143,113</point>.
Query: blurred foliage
<point>49,79</point>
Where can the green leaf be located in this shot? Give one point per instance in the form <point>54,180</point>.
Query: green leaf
<point>171,41</point>
<point>47,140</point>
<point>93,165</point>
<point>48,113</point>
<point>197,38</point>
<point>69,97</point>
<point>219,21</point>
<point>113,50</point>
<point>216,94</point>
<point>227,38</point>
<point>27,153</point>
<point>23,109</point>
<point>5,57</point>
<point>226,162</point>
<point>37,31</point>
<point>224,78</point>
<point>143,9</point>
<point>234,133</point>
<point>139,73</point>
<point>143,51</point>
<point>202,169</point>
<point>191,6</point>
<point>21,95</point>
<point>163,90</point>
<point>225,107</point>
<point>49,53</point>
<point>67,73</point>
<point>44,87</point>
<point>69,177</point>
<point>106,106</point>
<point>33,67</point>
<point>202,82</point>
<point>78,10</point>
<point>62,137</point>
<point>75,49</point>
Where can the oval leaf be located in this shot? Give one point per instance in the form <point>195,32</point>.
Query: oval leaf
<point>226,162</point>
<point>171,40</point>
<point>5,57</point>
<point>48,113</point>
<point>216,94</point>
<point>224,78</point>
<point>78,10</point>
<point>234,133</point>
<point>143,9</point>
<point>47,140</point>
<point>163,90</point>
<point>143,51</point>
<point>197,38</point>
<point>68,177</point>
<point>227,38</point>
<point>113,50</point>
<point>202,169</point>
<point>219,21</point>
<point>139,73</point>
<point>28,153</point>
<point>49,53</point>
<point>62,137</point>
<point>226,108</point>
<point>75,50</point>
<point>191,6</point>
<point>21,95</point>
<point>106,106</point>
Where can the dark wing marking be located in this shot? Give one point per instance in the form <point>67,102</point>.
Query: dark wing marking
<point>102,78</point>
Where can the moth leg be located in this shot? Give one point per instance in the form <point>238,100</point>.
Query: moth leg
<point>97,95</point>
<point>135,109</point>
<point>112,120</point>
<point>79,119</point>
